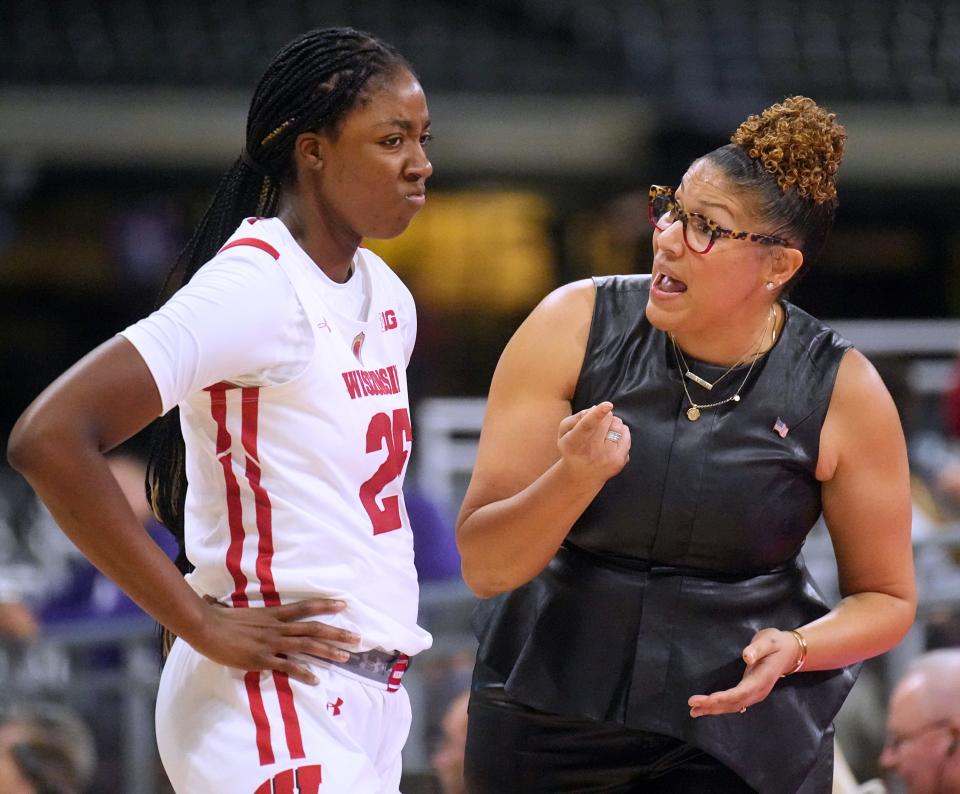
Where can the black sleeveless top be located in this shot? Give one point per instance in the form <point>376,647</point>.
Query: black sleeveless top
<point>687,553</point>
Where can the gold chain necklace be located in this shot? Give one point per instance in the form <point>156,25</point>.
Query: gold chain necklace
<point>691,375</point>
<point>693,412</point>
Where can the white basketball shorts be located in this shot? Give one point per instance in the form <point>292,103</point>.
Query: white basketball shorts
<point>223,731</point>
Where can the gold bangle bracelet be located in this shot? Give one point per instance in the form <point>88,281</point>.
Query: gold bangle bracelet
<point>801,660</point>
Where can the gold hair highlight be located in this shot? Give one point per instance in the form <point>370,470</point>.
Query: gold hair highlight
<point>799,143</point>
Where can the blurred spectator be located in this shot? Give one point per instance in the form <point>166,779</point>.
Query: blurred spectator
<point>85,592</point>
<point>935,463</point>
<point>32,554</point>
<point>17,621</point>
<point>447,760</point>
<point>434,547</point>
<point>57,587</point>
<point>45,750</point>
<point>935,482</point>
<point>935,457</point>
<point>43,578</point>
<point>844,781</point>
<point>923,725</point>
<point>11,555</point>
<point>935,470</point>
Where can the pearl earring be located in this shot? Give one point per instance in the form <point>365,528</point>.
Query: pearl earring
<point>770,285</point>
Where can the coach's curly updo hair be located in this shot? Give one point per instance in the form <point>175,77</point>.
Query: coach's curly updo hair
<point>310,86</point>
<point>788,158</point>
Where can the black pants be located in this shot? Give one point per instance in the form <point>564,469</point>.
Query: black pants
<point>513,749</point>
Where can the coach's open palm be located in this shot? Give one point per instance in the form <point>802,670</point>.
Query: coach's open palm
<point>770,656</point>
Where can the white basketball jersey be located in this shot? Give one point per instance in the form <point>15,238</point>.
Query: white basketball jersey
<point>295,489</point>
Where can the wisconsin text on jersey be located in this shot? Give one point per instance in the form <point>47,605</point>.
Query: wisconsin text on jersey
<point>372,382</point>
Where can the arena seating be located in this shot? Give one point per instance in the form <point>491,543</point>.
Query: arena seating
<point>888,50</point>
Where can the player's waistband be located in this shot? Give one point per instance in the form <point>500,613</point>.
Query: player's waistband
<point>383,667</point>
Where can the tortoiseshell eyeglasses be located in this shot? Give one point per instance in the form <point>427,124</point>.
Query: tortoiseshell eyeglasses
<point>699,232</point>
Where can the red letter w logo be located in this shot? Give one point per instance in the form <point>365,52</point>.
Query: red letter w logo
<point>305,780</point>
<point>388,320</point>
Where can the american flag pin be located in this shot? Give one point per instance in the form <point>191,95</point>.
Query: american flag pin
<point>780,428</point>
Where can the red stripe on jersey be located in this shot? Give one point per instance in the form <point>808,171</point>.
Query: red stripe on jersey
<point>250,405</point>
<point>264,748</point>
<point>250,402</point>
<point>218,409</point>
<point>255,243</point>
<point>291,723</point>
<point>250,411</point>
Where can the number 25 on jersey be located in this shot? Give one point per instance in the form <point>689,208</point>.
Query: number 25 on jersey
<point>389,431</point>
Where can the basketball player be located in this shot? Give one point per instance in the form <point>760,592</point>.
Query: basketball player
<point>285,353</point>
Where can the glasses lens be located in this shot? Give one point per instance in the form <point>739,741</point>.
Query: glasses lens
<point>662,210</point>
<point>697,233</point>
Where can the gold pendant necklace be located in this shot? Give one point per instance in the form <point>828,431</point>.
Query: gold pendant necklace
<point>695,410</point>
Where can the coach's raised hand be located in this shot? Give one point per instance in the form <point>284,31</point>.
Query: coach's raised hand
<point>513,521</point>
<point>594,443</point>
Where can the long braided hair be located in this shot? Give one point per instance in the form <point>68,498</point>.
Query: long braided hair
<point>310,86</point>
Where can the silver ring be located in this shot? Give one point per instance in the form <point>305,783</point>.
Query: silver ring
<point>614,436</point>
<point>743,710</point>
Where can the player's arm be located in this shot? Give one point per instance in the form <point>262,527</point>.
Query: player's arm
<point>867,508</point>
<point>59,444</point>
<point>537,466</point>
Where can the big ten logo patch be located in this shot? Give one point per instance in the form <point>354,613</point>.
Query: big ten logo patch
<point>388,320</point>
<point>303,780</point>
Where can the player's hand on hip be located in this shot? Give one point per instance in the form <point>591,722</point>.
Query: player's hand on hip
<point>594,443</point>
<point>264,638</point>
<point>771,654</point>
